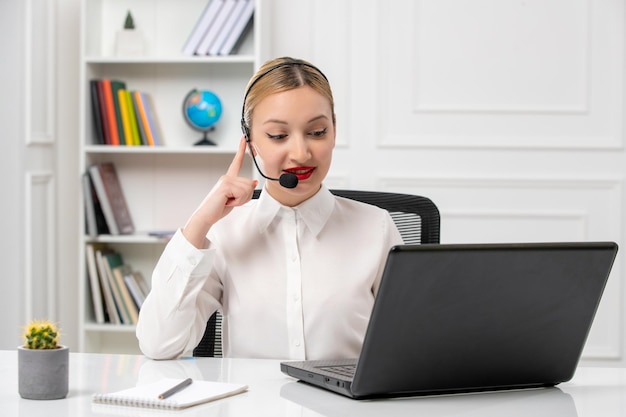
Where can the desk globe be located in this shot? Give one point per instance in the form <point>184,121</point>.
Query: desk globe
<point>201,110</point>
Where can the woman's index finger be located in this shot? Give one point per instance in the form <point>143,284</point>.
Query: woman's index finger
<point>235,165</point>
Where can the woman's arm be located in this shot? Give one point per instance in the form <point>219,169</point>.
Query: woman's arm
<point>183,296</point>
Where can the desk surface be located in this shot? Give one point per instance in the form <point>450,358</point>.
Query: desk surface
<point>592,392</point>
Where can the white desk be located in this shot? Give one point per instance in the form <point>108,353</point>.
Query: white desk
<point>592,392</point>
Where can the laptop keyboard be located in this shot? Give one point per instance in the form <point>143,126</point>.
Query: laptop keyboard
<point>342,370</point>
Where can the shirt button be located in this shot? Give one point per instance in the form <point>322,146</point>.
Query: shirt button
<point>297,343</point>
<point>193,261</point>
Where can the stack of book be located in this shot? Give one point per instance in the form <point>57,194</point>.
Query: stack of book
<point>121,116</point>
<point>117,292</point>
<point>106,210</point>
<point>220,28</point>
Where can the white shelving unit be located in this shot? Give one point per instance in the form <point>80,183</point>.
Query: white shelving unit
<point>164,184</point>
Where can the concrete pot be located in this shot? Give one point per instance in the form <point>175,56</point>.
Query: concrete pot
<point>43,374</point>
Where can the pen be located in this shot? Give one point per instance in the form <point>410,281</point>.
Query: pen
<point>176,388</point>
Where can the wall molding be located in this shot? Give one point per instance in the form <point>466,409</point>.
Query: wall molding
<point>40,283</point>
<point>39,67</point>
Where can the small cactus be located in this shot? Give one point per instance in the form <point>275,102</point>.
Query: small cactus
<point>41,334</point>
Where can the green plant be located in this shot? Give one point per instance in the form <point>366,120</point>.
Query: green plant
<point>129,23</point>
<point>41,334</point>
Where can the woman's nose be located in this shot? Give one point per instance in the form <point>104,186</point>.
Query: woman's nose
<point>299,149</point>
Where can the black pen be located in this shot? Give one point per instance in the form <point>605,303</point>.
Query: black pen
<point>176,388</point>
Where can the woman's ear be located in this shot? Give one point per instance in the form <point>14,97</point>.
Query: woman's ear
<point>252,150</point>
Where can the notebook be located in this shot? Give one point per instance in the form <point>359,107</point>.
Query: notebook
<point>147,396</point>
<point>461,318</point>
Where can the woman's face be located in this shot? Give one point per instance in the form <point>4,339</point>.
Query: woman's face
<point>293,132</point>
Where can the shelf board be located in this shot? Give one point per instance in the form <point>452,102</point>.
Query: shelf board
<point>182,59</point>
<point>134,238</point>
<point>111,328</point>
<point>111,149</point>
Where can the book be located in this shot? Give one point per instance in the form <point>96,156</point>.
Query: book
<point>96,115</point>
<point>125,116</point>
<point>142,119</point>
<point>90,211</point>
<point>147,396</point>
<point>94,284</point>
<point>216,27</point>
<point>115,87</point>
<point>239,30</point>
<point>112,260</point>
<point>105,285</point>
<point>135,291</point>
<point>129,305</point>
<point>143,139</point>
<point>111,197</point>
<point>110,112</point>
<point>95,221</point>
<point>103,114</point>
<point>151,116</point>
<point>228,27</point>
<point>202,25</point>
<point>141,281</point>
<point>132,116</point>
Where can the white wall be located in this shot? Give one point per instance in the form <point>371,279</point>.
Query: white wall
<point>38,166</point>
<point>508,114</point>
<point>11,244</point>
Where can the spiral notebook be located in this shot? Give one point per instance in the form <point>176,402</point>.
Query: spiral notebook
<point>147,396</point>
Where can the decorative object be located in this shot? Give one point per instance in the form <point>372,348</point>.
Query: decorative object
<point>202,109</point>
<point>129,40</point>
<point>43,364</point>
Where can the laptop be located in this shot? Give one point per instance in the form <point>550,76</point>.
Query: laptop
<point>459,318</point>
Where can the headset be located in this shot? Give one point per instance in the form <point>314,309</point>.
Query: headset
<point>287,180</point>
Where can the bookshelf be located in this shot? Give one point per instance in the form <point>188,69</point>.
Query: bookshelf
<point>162,185</point>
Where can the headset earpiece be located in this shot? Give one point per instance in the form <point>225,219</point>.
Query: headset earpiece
<point>245,130</point>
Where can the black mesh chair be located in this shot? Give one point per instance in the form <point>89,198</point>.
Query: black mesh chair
<point>417,220</point>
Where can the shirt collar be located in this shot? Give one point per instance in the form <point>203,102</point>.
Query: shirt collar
<point>314,212</point>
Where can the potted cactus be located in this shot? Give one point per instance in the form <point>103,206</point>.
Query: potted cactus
<point>43,364</point>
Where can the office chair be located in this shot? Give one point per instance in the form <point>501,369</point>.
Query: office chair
<point>417,220</point>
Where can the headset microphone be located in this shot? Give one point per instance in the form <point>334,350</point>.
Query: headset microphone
<point>287,180</point>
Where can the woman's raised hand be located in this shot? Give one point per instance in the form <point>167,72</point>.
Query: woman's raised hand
<point>230,191</point>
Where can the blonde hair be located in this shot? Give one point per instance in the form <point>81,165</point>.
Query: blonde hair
<point>282,74</point>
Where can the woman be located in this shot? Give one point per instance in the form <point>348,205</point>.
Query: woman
<point>295,272</point>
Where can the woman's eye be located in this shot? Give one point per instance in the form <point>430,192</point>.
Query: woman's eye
<point>318,133</point>
<point>277,136</point>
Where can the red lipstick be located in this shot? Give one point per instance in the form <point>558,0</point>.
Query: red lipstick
<point>302,173</point>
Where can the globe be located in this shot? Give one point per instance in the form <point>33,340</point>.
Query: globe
<point>202,109</point>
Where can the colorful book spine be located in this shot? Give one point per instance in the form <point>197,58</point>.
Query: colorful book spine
<point>143,119</point>
<point>110,111</point>
<point>153,121</point>
<point>103,114</point>
<point>115,87</point>
<point>132,116</point>
<point>125,115</point>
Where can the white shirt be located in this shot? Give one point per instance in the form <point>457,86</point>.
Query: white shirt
<point>292,283</point>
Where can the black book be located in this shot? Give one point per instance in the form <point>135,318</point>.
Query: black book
<point>95,107</point>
